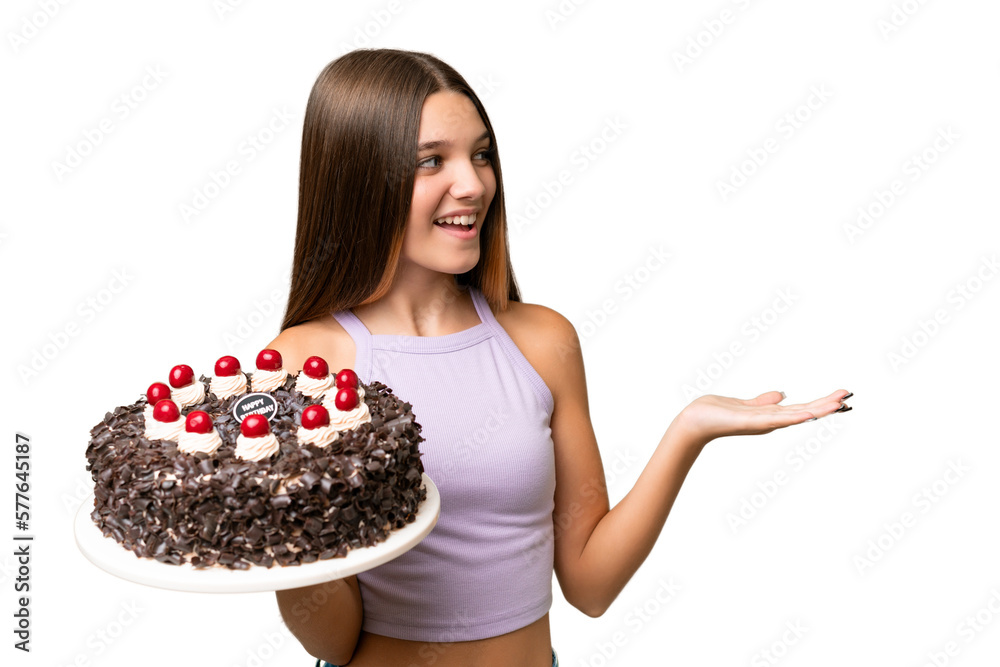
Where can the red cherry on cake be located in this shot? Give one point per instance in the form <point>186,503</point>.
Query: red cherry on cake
<point>166,411</point>
<point>347,378</point>
<point>315,416</point>
<point>316,368</point>
<point>157,392</point>
<point>269,360</point>
<point>255,426</point>
<point>346,398</point>
<point>227,366</point>
<point>198,421</point>
<point>181,375</point>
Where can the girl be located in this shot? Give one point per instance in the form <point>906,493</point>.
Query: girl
<point>402,272</point>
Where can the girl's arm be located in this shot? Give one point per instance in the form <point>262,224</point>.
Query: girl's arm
<point>597,549</point>
<point>325,618</point>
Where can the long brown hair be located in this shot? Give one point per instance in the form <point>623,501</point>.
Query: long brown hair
<point>358,162</point>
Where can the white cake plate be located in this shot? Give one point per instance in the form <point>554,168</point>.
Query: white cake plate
<point>109,555</point>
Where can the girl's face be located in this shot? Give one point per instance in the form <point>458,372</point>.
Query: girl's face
<point>454,177</point>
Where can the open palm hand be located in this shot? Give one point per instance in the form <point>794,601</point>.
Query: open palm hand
<point>710,416</point>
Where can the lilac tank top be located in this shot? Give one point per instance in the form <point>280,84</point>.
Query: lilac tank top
<point>486,567</point>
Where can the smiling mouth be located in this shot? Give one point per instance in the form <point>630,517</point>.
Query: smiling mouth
<point>453,226</point>
<point>456,222</point>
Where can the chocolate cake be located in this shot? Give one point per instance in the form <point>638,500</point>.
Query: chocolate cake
<point>304,502</point>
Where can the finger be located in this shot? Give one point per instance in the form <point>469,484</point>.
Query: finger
<point>811,405</point>
<point>837,396</point>
<point>827,409</point>
<point>767,398</point>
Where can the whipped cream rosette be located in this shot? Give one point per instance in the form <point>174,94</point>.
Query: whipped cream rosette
<point>185,390</point>
<point>316,428</point>
<point>199,434</point>
<point>256,441</point>
<point>229,379</point>
<point>269,374</point>
<point>315,379</point>
<point>313,387</point>
<point>166,423</point>
<point>344,420</point>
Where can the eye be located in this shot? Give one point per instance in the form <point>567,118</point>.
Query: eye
<point>486,154</point>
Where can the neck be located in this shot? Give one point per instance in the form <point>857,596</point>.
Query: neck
<point>433,305</point>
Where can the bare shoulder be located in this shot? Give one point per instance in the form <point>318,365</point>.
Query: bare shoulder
<point>322,337</point>
<point>547,339</point>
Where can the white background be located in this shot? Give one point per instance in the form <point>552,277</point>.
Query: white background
<point>663,134</point>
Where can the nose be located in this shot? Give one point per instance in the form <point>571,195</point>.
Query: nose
<point>468,181</point>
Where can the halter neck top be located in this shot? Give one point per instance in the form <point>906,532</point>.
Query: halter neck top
<point>486,567</point>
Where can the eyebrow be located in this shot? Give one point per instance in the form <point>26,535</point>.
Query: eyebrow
<point>429,145</point>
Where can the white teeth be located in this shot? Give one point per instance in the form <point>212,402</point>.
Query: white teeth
<point>458,219</point>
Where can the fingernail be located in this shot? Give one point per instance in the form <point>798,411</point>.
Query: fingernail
<point>848,396</point>
<point>783,397</point>
<point>811,420</point>
<point>844,408</point>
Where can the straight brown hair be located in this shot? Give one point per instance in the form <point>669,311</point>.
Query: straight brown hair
<point>356,175</point>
